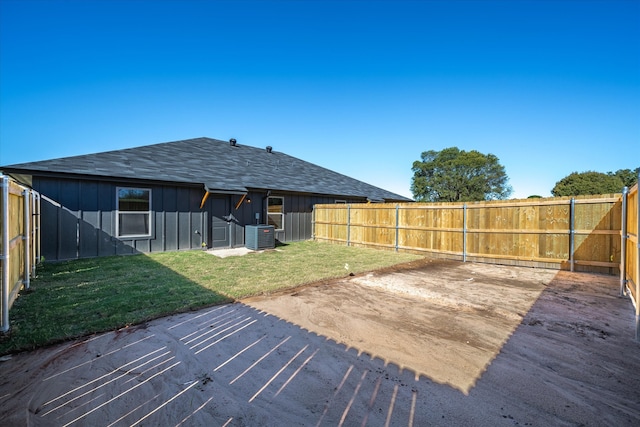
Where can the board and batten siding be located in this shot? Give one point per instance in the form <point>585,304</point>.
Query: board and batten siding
<point>79,219</point>
<point>298,212</point>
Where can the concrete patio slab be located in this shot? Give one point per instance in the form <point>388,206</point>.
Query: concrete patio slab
<point>569,358</point>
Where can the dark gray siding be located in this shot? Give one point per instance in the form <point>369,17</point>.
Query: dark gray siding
<point>78,218</point>
<point>90,224</point>
<point>297,219</point>
<point>298,211</point>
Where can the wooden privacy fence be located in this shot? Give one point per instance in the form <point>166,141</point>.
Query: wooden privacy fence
<point>630,257</point>
<point>20,242</point>
<point>582,233</point>
<point>569,233</point>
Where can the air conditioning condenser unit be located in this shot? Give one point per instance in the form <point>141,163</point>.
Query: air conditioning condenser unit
<point>259,237</point>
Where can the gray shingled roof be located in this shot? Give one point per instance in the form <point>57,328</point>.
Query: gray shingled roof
<point>216,164</point>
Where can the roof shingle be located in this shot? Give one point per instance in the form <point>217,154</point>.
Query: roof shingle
<point>216,164</point>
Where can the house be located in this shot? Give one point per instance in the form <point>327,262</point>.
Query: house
<point>179,195</point>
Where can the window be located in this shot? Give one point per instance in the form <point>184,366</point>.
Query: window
<point>275,212</point>
<point>133,212</point>
<point>338,201</point>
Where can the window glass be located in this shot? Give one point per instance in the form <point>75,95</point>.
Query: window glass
<point>134,212</point>
<point>275,212</point>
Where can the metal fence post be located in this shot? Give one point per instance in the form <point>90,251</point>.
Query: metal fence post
<point>34,234</point>
<point>313,222</point>
<point>397,224</point>
<point>572,220</point>
<point>26,194</point>
<point>4,326</point>
<point>623,239</point>
<point>37,207</point>
<point>464,233</point>
<point>349,225</point>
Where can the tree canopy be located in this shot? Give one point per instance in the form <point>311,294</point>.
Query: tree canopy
<point>454,175</point>
<point>628,176</point>
<point>590,182</point>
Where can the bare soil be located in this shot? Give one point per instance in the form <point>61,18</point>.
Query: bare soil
<point>427,343</point>
<point>458,314</point>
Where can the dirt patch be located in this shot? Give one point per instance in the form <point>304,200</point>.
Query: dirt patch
<point>442,319</point>
<point>434,343</point>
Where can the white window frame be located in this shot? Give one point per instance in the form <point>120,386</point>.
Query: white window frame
<point>341,202</point>
<point>272,214</point>
<point>120,212</point>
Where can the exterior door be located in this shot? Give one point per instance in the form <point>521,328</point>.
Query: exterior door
<point>220,226</point>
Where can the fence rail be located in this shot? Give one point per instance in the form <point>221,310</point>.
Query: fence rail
<point>582,233</point>
<point>20,242</point>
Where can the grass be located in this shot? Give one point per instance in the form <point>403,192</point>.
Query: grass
<point>77,298</point>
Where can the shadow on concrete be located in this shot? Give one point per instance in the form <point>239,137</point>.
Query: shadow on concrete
<point>570,361</point>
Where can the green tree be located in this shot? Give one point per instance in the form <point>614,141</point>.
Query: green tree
<point>454,175</point>
<point>628,176</point>
<point>590,182</point>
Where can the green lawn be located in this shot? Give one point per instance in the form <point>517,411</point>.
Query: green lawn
<point>77,298</point>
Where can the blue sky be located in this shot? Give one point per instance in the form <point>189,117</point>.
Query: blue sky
<point>359,87</point>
